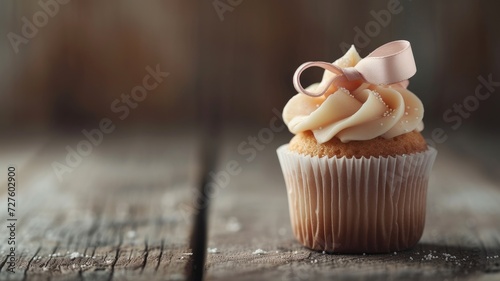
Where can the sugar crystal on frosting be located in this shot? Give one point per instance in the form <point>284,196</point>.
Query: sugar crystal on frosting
<point>298,116</point>
<point>388,112</point>
<point>345,91</point>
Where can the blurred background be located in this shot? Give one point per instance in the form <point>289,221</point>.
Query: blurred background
<point>63,64</point>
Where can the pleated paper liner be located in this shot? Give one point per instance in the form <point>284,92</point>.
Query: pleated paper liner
<point>357,205</point>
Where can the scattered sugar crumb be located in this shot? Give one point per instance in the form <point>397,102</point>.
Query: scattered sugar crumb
<point>187,254</point>
<point>449,256</point>
<point>259,252</point>
<point>233,225</point>
<point>395,253</point>
<point>131,234</point>
<point>212,250</point>
<point>74,255</point>
<point>109,261</point>
<point>429,257</point>
<point>295,252</point>
<point>323,252</point>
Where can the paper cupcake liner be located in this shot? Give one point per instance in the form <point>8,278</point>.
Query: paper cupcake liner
<point>357,205</point>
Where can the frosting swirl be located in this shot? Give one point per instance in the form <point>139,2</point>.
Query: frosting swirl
<point>354,110</point>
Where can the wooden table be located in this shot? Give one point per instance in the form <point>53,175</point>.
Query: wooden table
<point>133,210</point>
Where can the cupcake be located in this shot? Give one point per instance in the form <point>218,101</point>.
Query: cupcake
<point>357,169</point>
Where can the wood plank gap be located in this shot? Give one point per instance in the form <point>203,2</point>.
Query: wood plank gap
<point>210,134</point>
<point>198,241</point>
<point>51,255</point>
<point>146,253</point>
<point>3,263</point>
<point>160,255</point>
<point>117,256</point>
<point>25,274</point>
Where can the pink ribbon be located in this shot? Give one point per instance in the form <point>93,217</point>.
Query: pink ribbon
<point>390,63</point>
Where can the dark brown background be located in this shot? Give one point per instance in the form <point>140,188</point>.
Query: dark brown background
<point>91,52</point>
<point>130,209</point>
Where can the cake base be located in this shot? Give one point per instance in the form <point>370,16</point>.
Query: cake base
<point>305,143</point>
<point>350,205</point>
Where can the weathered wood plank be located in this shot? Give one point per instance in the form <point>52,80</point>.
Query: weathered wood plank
<point>118,215</point>
<point>461,238</point>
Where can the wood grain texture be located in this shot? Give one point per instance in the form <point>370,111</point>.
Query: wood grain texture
<point>118,215</point>
<point>126,213</point>
<point>460,241</point>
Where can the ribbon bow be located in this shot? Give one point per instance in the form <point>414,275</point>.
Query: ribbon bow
<point>388,64</point>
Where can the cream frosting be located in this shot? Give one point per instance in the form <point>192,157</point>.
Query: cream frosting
<point>354,110</point>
